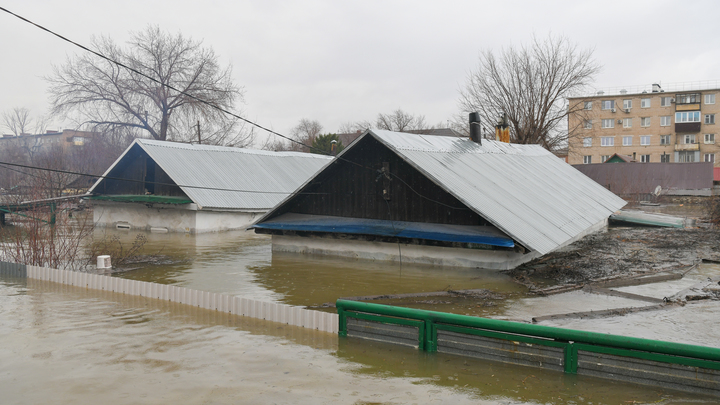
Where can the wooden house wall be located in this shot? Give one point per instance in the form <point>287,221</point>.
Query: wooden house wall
<point>355,190</point>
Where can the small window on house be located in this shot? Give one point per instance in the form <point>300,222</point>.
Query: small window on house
<point>587,142</point>
<point>709,99</point>
<point>627,123</point>
<point>690,138</point>
<point>627,140</point>
<point>587,160</point>
<point>607,141</point>
<point>627,104</point>
<point>588,105</point>
<point>608,123</point>
<point>645,158</point>
<point>709,118</point>
<point>604,158</point>
<point>665,101</point>
<point>664,139</point>
<point>666,120</point>
<point>664,158</point>
<point>645,122</point>
<point>608,104</point>
<point>709,138</point>
<point>686,156</point>
<point>710,157</point>
<point>645,140</point>
<point>588,124</point>
<point>645,103</point>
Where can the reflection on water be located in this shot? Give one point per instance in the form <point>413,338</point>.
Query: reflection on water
<point>66,345</point>
<point>241,263</point>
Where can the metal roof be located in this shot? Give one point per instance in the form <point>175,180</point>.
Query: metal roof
<point>231,178</point>
<point>524,190</point>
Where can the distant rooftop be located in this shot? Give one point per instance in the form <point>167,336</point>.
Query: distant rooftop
<point>648,88</point>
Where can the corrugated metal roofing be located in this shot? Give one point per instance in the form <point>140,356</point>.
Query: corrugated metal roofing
<point>524,190</point>
<point>248,179</point>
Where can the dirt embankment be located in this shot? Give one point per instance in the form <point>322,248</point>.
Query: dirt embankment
<point>619,253</point>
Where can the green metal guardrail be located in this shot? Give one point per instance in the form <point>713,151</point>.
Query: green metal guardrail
<point>429,322</point>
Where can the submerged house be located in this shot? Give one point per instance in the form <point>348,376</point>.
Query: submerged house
<point>439,200</point>
<point>176,187</point>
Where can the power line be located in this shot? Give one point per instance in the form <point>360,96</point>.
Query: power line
<point>210,105</point>
<point>142,181</point>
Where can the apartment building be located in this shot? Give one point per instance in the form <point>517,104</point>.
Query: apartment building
<point>67,139</point>
<point>653,125</point>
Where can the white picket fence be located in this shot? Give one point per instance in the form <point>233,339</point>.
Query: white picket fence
<point>269,311</point>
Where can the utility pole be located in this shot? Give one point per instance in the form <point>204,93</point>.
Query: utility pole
<point>198,132</point>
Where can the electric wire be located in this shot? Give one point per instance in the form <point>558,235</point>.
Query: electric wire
<point>98,54</point>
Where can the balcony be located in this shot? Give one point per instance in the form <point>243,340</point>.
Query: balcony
<point>687,146</point>
<point>687,127</point>
<point>687,107</point>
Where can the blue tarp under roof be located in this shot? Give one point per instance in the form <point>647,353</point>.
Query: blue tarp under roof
<point>485,235</point>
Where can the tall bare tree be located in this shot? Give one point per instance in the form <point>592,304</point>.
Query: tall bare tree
<point>531,85</point>
<point>96,91</point>
<point>18,121</point>
<point>397,120</point>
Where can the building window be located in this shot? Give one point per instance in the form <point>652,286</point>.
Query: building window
<point>666,120</point>
<point>645,122</point>
<point>645,140</point>
<point>689,138</point>
<point>608,104</point>
<point>627,104</point>
<point>604,158</point>
<point>664,139</point>
<point>645,158</point>
<point>690,116</point>
<point>588,124</point>
<point>686,156</point>
<point>627,123</point>
<point>588,105</point>
<point>692,98</point>
<point>587,160</point>
<point>608,123</point>
<point>709,118</point>
<point>710,157</point>
<point>627,140</point>
<point>664,158</point>
<point>587,142</point>
<point>665,101</point>
<point>607,141</point>
<point>709,138</point>
<point>644,103</point>
<point>709,99</point>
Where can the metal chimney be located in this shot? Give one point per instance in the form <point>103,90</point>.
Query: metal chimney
<point>475,132</point>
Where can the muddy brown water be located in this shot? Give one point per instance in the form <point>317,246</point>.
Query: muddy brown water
<point>61,344</point>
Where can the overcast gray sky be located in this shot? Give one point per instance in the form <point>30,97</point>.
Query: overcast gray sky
<point>342,61</point>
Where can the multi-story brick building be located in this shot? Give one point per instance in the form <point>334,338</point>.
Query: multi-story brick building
<point>66,140</point>
<point>651,126</point>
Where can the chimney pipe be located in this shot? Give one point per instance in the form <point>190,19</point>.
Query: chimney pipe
<point>475,133</point>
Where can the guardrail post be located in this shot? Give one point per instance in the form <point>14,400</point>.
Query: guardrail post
<point>342,320</point>
<point>571,358</point>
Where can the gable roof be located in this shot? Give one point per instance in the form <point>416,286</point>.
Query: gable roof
<point>229,178</point>
<point>523,190</point>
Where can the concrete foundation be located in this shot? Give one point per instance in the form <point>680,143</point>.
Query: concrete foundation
<point>431,255</point>
<point>172,218</point>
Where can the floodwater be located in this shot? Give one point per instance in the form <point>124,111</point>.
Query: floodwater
<point>60,344</point>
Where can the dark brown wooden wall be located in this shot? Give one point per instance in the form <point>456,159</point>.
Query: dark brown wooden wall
<point>356,191</point>
<point>134,167</point>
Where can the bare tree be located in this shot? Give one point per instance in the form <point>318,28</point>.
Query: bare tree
<point>18,121</point>
<point>97,91</point>
<point>305,132</point>
<point>531,85</point>
<point>397,120</point>
<point>400,121</point>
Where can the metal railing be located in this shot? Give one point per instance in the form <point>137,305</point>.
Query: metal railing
<point>683,366</point>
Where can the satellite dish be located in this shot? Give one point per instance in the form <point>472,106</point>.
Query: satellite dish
<point>657,191</point>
